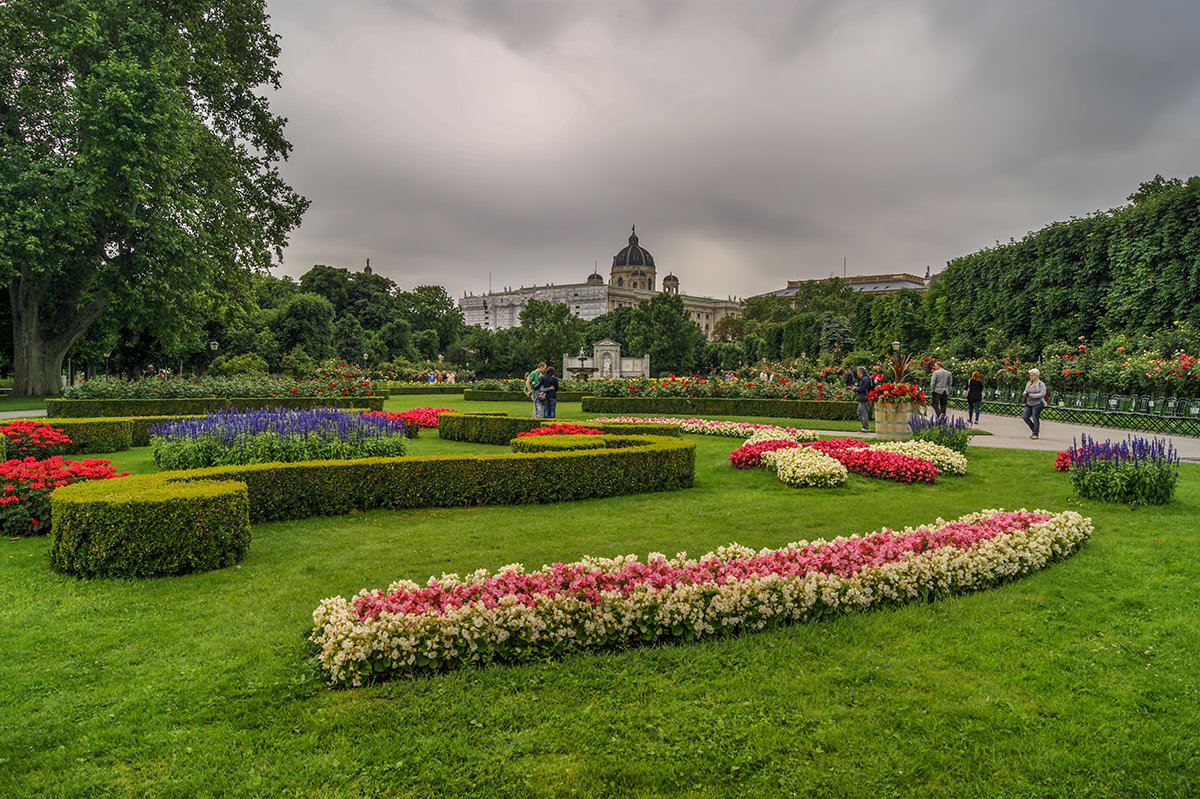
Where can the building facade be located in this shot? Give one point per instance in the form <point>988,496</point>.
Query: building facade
<point>866,284</point>
<point>632,279</point>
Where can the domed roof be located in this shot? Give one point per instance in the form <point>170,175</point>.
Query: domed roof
<point>670,278</point>
<point>633,255</point>
<point>596,276</point>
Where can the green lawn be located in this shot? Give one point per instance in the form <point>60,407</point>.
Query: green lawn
<point>1081,680</point>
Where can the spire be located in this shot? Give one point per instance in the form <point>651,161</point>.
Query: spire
<point>633,235</point>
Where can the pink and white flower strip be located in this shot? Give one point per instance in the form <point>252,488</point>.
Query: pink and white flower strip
<point>601,603</point>
<point>713,427</point>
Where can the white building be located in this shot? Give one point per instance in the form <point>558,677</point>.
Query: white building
<point>631,281</point>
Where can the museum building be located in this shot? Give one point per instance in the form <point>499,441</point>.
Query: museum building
<point>631,280</point>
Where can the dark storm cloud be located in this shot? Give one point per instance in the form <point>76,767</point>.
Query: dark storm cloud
<point>750,143</point>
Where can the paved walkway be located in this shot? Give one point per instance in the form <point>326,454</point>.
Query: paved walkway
<point>1010,432</point>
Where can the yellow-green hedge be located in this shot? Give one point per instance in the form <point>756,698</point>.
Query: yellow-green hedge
<point>148,526</point>
<point>489,428</point>
<point>109,527</point>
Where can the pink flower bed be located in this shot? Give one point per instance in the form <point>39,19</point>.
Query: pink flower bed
<point>749,456</point>
<point>886,465</point>
<point>422,417</point>
<point>599,603</point>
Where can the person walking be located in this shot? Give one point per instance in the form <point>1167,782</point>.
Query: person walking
<point>863,390</point>
<point>1035,400</point>
<point>531,381</point>
<point>940,383</point>
<point>548,391</point>
<point>974,396</point>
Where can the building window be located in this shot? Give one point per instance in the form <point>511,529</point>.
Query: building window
<point>620,281</point>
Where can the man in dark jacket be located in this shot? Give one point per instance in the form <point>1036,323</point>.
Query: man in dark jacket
<point>863,390</point>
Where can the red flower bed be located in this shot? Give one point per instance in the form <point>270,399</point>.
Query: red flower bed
<point>25,487</point>
<point>749,456</point>
<point>421,417</point>
<point>562,430</point>
<point>28,437</point>
<point>858,458</point>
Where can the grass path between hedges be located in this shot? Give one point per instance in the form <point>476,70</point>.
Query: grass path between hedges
<point>1081,680</point>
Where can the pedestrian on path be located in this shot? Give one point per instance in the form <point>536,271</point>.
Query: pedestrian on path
<point>1035,400</point>
<point>863,390</point>
<point>974,397</point>
<point>940,383</point>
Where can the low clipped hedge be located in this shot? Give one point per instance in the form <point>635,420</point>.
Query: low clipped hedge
<point>148,526</point>
<point>105,408</point>
<point>95,435</point>
<point>829,410</point>
<point>489,428</point>
<point>514,396</point>
<point>425,388</point>
<point>169,523</point>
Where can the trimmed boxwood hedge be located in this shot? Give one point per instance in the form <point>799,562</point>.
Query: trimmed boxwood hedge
<point>425,388</point>
<point>515,396</point>
<point>489,428</point>
<point>95,435</point>
<point>148,526</point>
<point>716,406</point>
<point>105,408</point>
<point>111,527</point>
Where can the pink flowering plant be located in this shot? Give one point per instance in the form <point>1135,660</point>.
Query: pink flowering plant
<point>515,616</point>
<point>713,427</point>
<point>565,429</point>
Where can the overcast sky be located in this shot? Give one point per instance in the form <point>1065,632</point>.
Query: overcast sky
<point>461,141</point>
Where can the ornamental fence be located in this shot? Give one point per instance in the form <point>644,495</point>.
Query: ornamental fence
<point>1175,416</point>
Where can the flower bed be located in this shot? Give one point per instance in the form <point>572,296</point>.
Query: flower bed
<point>1135,471</point>
<point>561,430</point>
<point>326,382</point>
<point>712,427</point>
<point>945,459</point>
<point>702,387</point>
<point>881,464</point>
<point>902,461</point>
<point>804,467</point>
<point>27,483</point>
<point>606,603</point>
<point>749,455</point>
<point>28,438</point>
<point>414,418</point>
<point>236,437</point>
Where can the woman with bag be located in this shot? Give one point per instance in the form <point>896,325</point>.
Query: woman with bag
<point>1035,400</point>
<point>974,397</point>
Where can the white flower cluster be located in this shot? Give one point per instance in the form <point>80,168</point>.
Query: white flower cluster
<point>354,650</point>
<point>775,435</point>
<point>712,427</point>
<point>802,467</point>
<point>947,460</point>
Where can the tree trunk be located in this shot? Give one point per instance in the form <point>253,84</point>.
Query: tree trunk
<point>38,358</point>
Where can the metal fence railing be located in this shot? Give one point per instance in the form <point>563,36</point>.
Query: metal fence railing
<point>1175,416</point>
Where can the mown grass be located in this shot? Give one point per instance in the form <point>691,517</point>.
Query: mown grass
<point>1081,680</point>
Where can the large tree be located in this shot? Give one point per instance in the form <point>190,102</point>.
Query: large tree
<point>549,329</point>
<point>139,170</point>
<point>662,327</point>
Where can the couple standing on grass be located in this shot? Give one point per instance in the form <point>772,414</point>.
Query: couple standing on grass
<point>542,387</point>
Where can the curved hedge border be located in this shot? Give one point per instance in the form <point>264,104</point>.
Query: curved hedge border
<point>489,428</point>
<point>789,409</point>
<point>149,526</point>
<point>69,408</point>
<point>120,527</point>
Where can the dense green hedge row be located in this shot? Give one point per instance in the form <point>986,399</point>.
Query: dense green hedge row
<point>712,406</point>
<point>488,428</point>
<point>477,395</point>
<point>66,408</point>
<point>425,388</point>
<point>148,526</point>
<point>174,522</point>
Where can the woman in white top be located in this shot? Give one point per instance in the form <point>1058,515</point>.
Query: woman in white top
<point>1035,400</point>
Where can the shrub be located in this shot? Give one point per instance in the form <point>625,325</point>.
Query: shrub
<point>121,408</point>
<point>27,484</point>
<point>1137,471</point>
<point>155,527</point>
<point>235,437</point>
<point>944,431</point>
